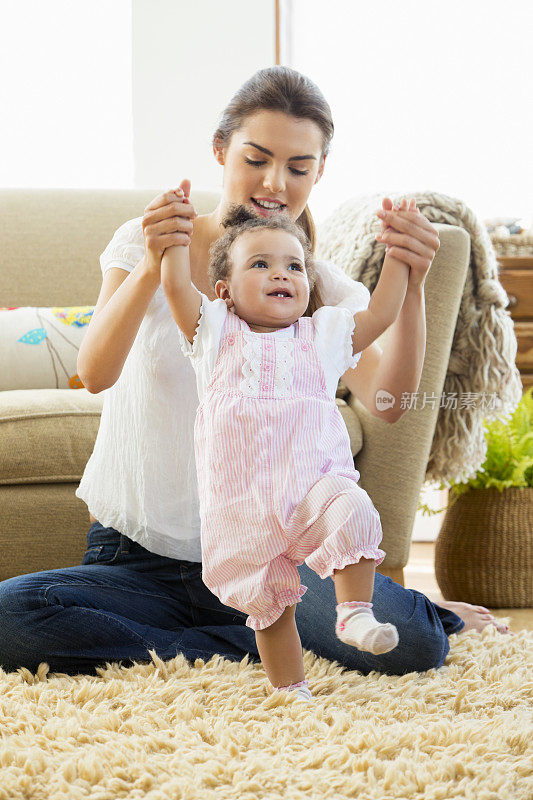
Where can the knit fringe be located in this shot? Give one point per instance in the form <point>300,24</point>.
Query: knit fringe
<point>482,358</point>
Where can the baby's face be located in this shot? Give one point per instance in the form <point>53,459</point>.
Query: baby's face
<point>266,262</point>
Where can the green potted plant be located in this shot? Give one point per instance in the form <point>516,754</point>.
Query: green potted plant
<point>484,550</point>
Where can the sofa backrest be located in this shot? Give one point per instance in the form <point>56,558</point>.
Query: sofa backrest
<point>51,240</point>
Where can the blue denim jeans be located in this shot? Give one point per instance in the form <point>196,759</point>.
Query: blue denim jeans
<point>123,601</point>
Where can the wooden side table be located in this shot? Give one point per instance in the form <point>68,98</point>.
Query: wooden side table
<point>516,276</point>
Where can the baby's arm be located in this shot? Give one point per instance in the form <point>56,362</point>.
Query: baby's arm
<point>385,304</point>
<point>183,298</point>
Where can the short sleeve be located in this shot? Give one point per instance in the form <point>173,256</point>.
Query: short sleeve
<point>208,331</point>
<point>203,351</point>
<point>126,248</point>
<point>333,330</point>
<point>338,289</point>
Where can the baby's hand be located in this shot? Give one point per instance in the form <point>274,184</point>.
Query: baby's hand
<point>409,236</point>
<point>175,264</point>
<point>182,193</point>
<point>167,221</point>
<point>388,206</point>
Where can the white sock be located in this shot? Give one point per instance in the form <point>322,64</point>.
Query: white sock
<point>357,626</point>
<point>301,689</point>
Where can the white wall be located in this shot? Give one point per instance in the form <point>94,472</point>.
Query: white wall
<point>122,93</point>
<point>65,93</point>
<point>189,59</point>
<point>425,95</point>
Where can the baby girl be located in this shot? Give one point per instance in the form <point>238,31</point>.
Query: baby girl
<point>276,477</point>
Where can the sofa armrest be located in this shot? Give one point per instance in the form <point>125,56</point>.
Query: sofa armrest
<point>394,456</point>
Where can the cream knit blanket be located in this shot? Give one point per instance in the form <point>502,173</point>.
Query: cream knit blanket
<point>484,346</point>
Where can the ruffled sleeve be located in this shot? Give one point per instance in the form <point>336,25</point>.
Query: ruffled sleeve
<point>126,248</point>
<point>203,350</point>
<point>338,289</point>
<point>208,330</point>
<point>333,330</point>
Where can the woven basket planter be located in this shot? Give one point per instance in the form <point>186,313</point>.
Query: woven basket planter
<point>517,244</point>
<point>484,550</point>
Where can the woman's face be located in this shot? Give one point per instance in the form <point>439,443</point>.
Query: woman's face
<point>284,175</point>
<point>266,262</point>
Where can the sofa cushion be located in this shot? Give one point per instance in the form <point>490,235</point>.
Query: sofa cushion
<point>39,346</point>
<point>47,435</point>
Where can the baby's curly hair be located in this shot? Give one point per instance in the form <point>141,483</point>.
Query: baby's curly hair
<point>237,221</point>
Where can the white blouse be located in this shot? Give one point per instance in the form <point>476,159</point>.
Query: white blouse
<point>141,476</point>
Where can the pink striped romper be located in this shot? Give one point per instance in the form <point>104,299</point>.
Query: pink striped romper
<point>276,478</point>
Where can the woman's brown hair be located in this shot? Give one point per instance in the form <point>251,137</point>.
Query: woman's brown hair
<point>281,88</point>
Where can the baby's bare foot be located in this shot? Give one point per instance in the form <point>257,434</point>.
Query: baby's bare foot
<point>475,617</point>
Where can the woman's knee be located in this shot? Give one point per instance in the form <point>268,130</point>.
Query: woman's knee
<point>11,592</point>
<point>438,649</point>
<point>424,651</point>
<point>21,600</point>
<point>423,642</point>
<point>14,623</point>
<point>400,661</point>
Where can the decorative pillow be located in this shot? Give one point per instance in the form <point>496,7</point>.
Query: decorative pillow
<point>39,346</point>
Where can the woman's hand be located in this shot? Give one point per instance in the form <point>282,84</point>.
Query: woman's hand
<point>409,237</point>
<point>167,221</point>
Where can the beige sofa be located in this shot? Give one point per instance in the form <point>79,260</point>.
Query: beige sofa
<point>50,245</point>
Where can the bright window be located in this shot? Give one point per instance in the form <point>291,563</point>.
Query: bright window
<point>426,96</point>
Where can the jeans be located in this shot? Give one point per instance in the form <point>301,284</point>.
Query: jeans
<point>123,601</point>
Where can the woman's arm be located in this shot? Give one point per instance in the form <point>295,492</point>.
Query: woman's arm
<point>413,240</point>
<point>398,368</point>
<point>121,306</point>
<point>124,298</point>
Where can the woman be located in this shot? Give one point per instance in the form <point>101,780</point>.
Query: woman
<point>139,586</point>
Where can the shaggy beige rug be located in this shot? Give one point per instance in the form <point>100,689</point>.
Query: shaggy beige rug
<point>166,730</point>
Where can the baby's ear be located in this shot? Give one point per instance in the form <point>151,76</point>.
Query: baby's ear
<point>220,287</point>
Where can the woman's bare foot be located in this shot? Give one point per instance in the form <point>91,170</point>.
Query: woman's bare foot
<point>475,617</point>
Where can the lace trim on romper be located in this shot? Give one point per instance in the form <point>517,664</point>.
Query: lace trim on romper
<point>251,367</point>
